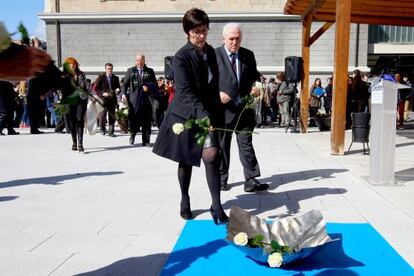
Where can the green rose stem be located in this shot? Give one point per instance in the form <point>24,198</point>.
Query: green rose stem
<point>229,130</point>
<point>276,247</point>
<point>203,126</point>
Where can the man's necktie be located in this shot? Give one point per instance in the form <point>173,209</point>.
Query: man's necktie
<point>109,83</point>
<point>233,63</point>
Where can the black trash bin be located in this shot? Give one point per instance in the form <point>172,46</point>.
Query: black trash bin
<point>360,128</point>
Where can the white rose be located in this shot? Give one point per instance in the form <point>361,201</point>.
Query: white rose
<point>178,128</point>
<point>241,239</point>
<point>275,259</point>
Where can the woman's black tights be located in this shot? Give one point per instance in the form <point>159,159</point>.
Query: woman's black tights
<point>211,163</point>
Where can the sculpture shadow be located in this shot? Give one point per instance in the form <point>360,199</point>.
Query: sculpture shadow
<point>272,201</point>
<point>331,258</point>
<point>278,179</point>
<point>177,262</point>
<point>53,180</point>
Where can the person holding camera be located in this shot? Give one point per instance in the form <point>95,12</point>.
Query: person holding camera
<point>284,93</point>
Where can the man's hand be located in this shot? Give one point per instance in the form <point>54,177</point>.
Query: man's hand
<point>224,97</point>
<point>105,94</point>
<point>24,64</point>
<point>145,88</point>
<point>123,99</point>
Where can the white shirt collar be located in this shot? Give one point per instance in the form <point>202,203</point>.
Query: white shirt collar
<point>229,53</point>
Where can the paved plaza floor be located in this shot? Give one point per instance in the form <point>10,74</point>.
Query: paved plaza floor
<point>114,210</point>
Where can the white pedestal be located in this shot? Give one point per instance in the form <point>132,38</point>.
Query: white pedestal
<point>382,136</point>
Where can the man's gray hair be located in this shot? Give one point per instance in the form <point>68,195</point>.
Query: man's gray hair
<point>229,26</point>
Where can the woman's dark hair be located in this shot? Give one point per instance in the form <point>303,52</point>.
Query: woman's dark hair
<point>194,18</point>
<point>317,79</point>
<point>357,73</point>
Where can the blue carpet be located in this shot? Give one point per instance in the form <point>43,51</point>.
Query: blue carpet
<point>202,250</point>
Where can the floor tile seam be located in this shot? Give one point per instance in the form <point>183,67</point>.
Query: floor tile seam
<point>372,188</point>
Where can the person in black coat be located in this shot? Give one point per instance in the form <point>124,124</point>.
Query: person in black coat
<point>77,110</point>
<point>238,73</point>
<point>7,107</point>
<point>105,87</point>
<point>196,97</point>
<point>328,96</point>
<point>138,86</point>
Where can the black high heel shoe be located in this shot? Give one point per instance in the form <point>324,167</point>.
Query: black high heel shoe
<point>185,210</point>
<point>219,216</point>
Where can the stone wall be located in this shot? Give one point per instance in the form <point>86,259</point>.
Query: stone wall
<point>94,44</point>
<point>165,5</point>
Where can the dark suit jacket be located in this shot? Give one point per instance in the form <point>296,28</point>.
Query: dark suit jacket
<point>102,85</point>
<point>132,88</point>
<point>195,97</point>
<point>228,81</point>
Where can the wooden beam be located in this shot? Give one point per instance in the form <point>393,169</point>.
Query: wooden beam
<point>320,32</point>
<point>304,95</point>
<point>312,8</point>
<point>340,84</point>
<point>380,12</point>
<point>374,20</point>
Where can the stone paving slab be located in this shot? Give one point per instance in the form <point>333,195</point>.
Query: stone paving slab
<point>116,207</point>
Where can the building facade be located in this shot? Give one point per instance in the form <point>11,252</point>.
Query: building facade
<point>100,31</point>
<point>391,49</point>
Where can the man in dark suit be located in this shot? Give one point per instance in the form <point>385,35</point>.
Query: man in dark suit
<point>238,72</point>
<point>106,86</point>
<point>139,83</point>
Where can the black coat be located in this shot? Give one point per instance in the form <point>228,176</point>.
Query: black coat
<point>328,97</point>
<point>195,97</point>
<point>228,80</point>
<point>137,99</point>
<point>102,85</point>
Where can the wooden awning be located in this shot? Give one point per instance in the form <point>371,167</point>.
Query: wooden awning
<point>377,12</point>
<point>342,13</point>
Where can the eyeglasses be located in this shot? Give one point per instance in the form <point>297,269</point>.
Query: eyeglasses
<point>199,32</point>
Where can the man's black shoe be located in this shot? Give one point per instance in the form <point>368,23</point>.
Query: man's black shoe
<point>103,131</point>
<point>252,185</point>
<point>148,145</point>
<point>111,135</point>
<point>224,186</point>
<point>35,131</point>
<point>12,132</point>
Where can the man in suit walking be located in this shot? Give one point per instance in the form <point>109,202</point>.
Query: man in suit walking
<point>238,72</point>
<point>106,86</point>
<point>139,83</point>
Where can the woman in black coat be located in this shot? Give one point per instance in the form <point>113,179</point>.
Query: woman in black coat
<point>77,110</point>
<point>196,97</point>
